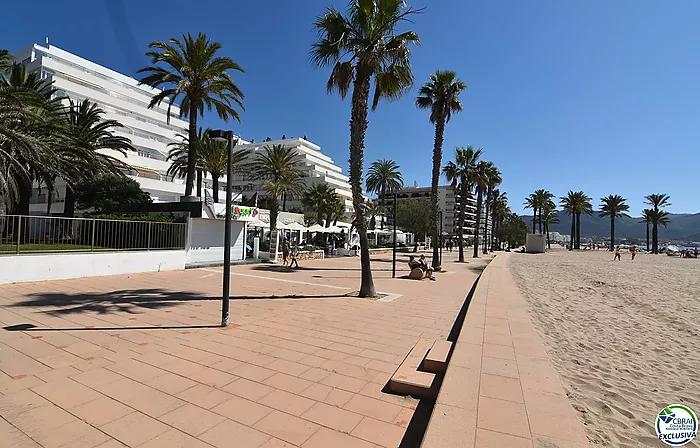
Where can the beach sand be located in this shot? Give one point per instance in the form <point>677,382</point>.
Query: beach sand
<point>623,336</point>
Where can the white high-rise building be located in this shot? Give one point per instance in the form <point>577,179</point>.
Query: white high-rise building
<point>124,100</point>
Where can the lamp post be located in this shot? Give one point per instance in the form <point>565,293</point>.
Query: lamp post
<point>393,264</point>
<point>440,239</point>
<point>228,137</point>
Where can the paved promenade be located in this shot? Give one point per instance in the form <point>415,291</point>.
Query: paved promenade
<point>501,389</point>
<point>139,360</point>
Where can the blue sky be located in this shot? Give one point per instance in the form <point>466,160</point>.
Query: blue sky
<point>602,96</point>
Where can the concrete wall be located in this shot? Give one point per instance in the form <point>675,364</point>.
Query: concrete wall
<point>206,241</point>
<point>31,268</point>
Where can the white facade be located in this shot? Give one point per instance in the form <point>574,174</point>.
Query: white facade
<point>124,100</point>
<point>315,166</point>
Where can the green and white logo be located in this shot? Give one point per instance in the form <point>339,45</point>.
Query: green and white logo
<point>676,425</point>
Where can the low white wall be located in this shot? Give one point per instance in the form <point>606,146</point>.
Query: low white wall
<point>32,268</point>
<point>206,241</point>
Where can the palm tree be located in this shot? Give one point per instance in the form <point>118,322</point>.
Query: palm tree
<point>459,173</point>
<point>658,216</point>
<point>5,60</point>
<point>531,202</point>
<point>213,159</point>
<point>441,96</point>
<point>494,180</point>
<point>480,181</point>
<point>384,177</point>
<point>613,206</point>
<point>276,167</point>
<point>189,70</point>
<point>549,216</point>
<point>499,204</point>
<point>568,203</point>
<point>544,200</point>
<point>361,46</point>
<point>646,219</point>
<point>318,198</point>
<point>372,210</point>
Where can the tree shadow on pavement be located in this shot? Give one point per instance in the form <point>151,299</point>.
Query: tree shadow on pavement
<point>130,301</point>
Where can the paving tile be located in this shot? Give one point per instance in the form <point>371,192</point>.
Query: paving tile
<point>318,392</point>
<point>136,370</point>
<point>58,374</point>
<point>501,387</point>
<point>287,427</point>
<point>492,439</point>
<point>76,433</point>
<point>277,443</point>
<point>450,426</point>
<point>191,419</point>
<point>373,408</point>
<point>286,402</point>
<point>381,433</point>
<point>228,432</point>
<point>566,428</point>
<point>332,417</point>
<point>152,402</point>
<point>496,338</point>
<point>42,420</point>
<point>248,389</point>
<point>204,396</point>
<point>66,392</point>
<point>499,366</point>
<point>241,410</point>
<point>97,377</point>
<point>170,383</point>
<point>135,429</point>
<point>327,438</point>
<point>253,372</point>
<point>499,351</point>
<point>549,442</point>
<point>460,388</point>
<point>173,438</point>
<point>503,416</point>
<point>287,382</point>
<point>13,437</point>
<point>101,411</point>
<point>288,367</point>
<point>404,417</point>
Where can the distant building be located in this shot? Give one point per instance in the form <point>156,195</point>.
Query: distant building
<point>448,204</point>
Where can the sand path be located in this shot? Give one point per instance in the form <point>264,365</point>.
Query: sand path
<point>623,336</point>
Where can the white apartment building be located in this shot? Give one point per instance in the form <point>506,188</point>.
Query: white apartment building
<point>124,100</point>
<point>448,204</point>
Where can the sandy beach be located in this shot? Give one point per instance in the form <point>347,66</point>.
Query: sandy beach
<point>623,336</point>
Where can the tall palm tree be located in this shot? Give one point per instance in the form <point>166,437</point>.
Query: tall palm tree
<point>499,204</point>
<point>480,181</point>
<point>441,96</point>
<point>362,46</point>
<point>318,198</point>
<point>494,180</point>
<point>583,207</point>
<point>88,150</point>
<point>190,70</point>
<point>658,216</point>
<point>372,210</point>
<point>459,173</point>
<point>646,219</point>
<point>613,206</point>
<point>276,167</point>
<point>532,202</point>
<point>213,158</point>
<point>544,200</point>
<point>568,203</point>
<point>384,177</point>
<point>549,216</point>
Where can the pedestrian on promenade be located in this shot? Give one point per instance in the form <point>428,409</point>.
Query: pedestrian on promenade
<point>295,254</point>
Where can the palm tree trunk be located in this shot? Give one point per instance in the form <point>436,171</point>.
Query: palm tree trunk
<point>534,218</point>
<point>546,231</point>
<point>612,233</point>
<point>539,221</point>
<point>462,211</point>
<point>199,183</point>
<point>437,162</point>
<point>215,187</point>
<point>573,231</point>
<point>191,150</point>
<point>49,199</point>
<point>578,230</point>
<point>69,204</point>
<point>284,201</point>
<point>383,206</point>
<point>478,223</point>
<point>486,220</point>
<point>655,238</point>
<point>647,236</point>
<point>358,128</point>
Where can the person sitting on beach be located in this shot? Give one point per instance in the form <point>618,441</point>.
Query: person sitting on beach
<point>425,267</point>
<point>633,250</point>
<point>618,257</point>
<point>413,264</point>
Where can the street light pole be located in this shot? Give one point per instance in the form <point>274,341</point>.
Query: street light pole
<point>228,136</point>
<point>393,265</point>
<point>441,241</point>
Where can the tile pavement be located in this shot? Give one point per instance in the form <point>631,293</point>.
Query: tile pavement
<point>139,361</point>
<point>500,388</point>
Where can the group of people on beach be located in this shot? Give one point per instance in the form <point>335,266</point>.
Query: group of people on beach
<point>422,264</point>
<point>618,255</point>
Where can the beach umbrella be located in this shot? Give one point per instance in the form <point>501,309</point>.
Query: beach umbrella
<point>295,226</point>
<point>316,228</point>
<point>333,229</point>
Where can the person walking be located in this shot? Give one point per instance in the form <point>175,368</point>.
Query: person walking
<point>285,252</point>
<point>633,250</point>
<point>295,254</point>
<point>618,257</point>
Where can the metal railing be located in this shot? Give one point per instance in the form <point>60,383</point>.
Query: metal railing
<point>48,234</point>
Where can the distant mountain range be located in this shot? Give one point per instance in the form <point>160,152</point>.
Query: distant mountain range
<point>683,227</point>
